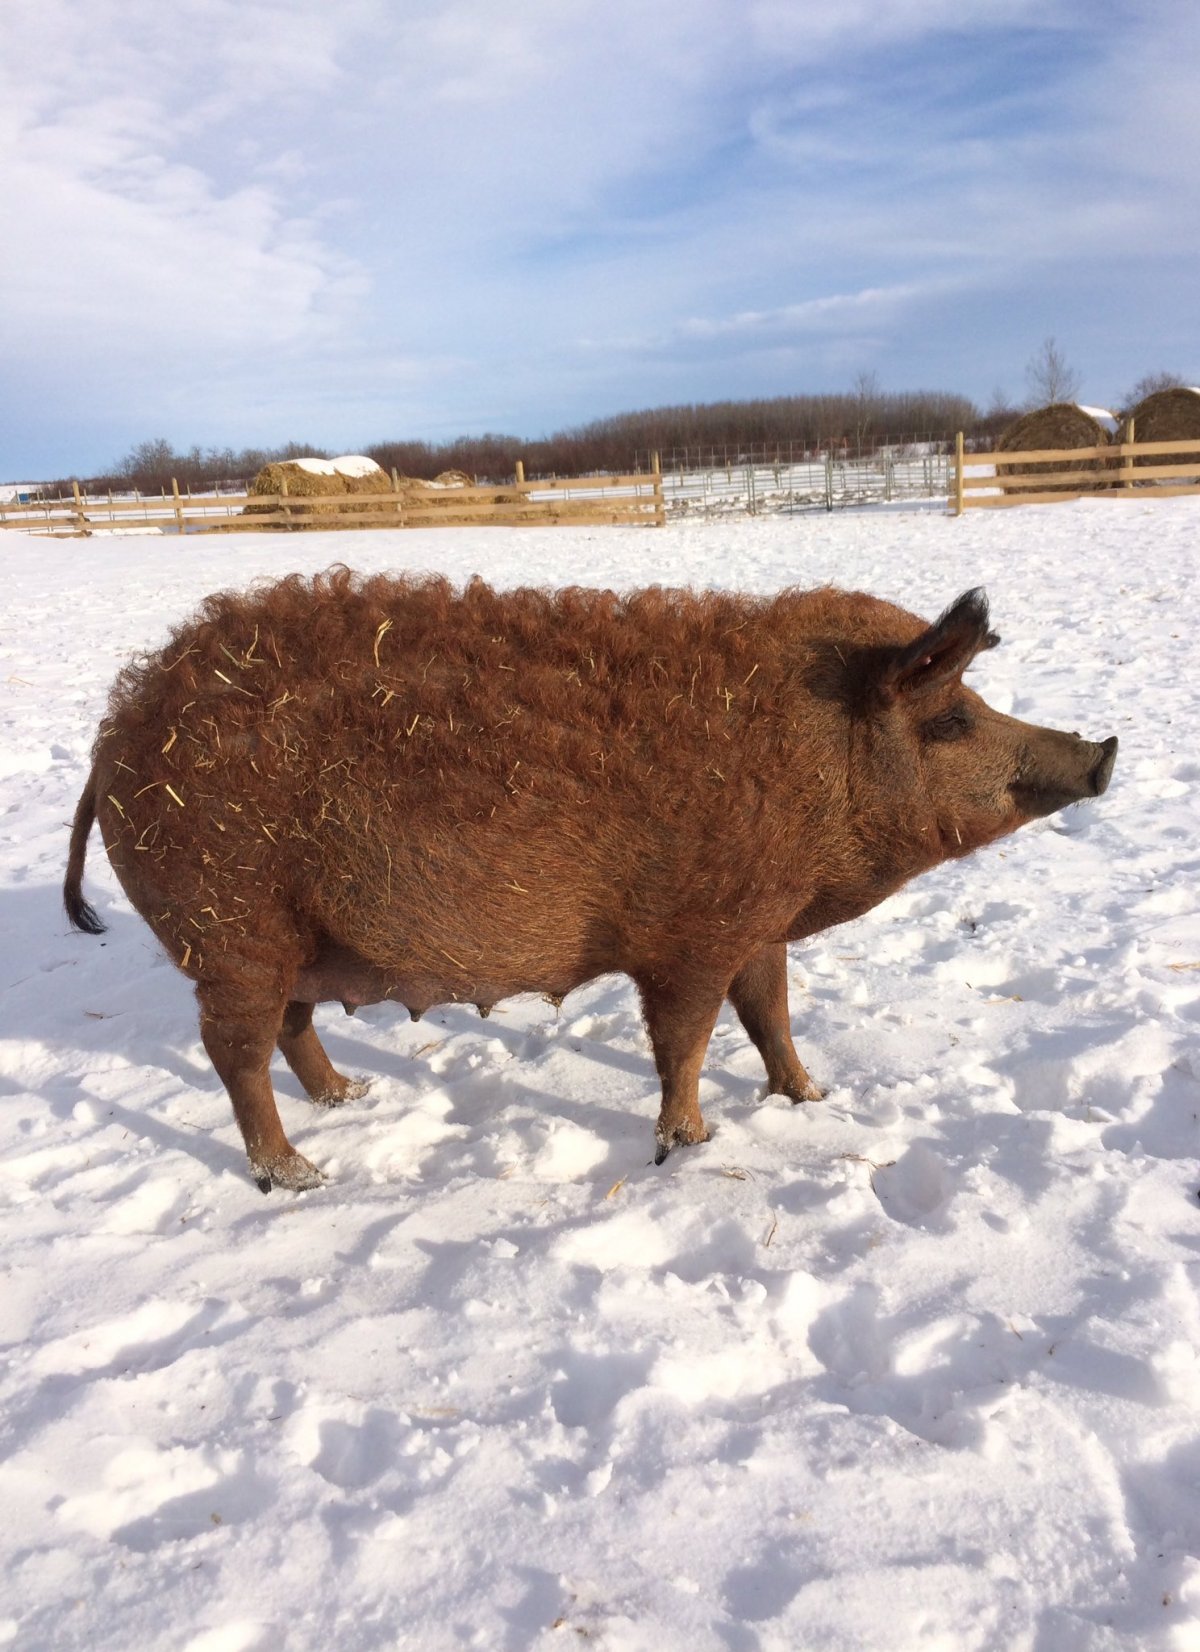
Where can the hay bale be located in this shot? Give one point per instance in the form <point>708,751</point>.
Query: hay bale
<point>1167,416</point>
<point>303,480</point>
<point>311,478</point>
<point>1061,425</point>
<point>362,475</point>
<point>453,479</point>
<point>369,481</point>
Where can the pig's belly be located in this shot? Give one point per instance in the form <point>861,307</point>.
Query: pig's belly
<point>340,975</point>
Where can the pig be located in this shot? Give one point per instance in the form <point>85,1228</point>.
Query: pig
<point>349,789</point>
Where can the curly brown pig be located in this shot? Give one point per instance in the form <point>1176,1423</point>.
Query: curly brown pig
<point>355,789</point>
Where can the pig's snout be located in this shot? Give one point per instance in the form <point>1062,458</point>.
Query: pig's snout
<point>1102,773</point>
<point>1058,769</point>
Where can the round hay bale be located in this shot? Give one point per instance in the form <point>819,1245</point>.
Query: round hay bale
<point>1061,425</point>
<point>453,479</point>
<point>1167,416</point>
<point>311,478</point>
<point>303,481</point>
<point>368,481</point>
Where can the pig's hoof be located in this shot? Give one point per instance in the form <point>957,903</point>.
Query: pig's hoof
<point>678,1135</point>
<point>290,1170</point>
<point>346,1089</point>
<point>795,1084</point>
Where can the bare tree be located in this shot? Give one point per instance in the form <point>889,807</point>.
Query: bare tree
<point>1049,376</point>
<point>867,399</point>
<point>152,456</point>
<point>1147,385</point>
<point>998,415</point>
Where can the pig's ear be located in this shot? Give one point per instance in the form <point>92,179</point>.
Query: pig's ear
<point>941,653</point>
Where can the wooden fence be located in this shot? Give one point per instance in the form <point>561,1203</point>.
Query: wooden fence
<point>633,499</point>
<point>1118,470</point>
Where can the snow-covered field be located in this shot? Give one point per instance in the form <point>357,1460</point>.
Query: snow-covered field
<point>917,1367</point>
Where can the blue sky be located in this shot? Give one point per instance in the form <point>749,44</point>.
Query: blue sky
<point>247,221</point>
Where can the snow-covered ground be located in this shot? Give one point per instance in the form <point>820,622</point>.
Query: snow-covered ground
<point>917,1367</point>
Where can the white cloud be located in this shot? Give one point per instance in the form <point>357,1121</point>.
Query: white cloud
<point>814,314</point>
<point>140,261</point>
<point>810,31</point>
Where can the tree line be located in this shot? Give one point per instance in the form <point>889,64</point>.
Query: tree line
<point>698,435</point>
<point>860,420</point>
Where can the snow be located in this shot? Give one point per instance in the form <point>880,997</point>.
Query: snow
<point>349,464</point>
<point>916,1367</point>
<point>355,464</point>
<point>1103,416</point>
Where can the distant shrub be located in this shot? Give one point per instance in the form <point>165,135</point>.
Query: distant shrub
<point>151,466</point>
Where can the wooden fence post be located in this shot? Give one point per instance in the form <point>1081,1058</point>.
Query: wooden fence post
<point>520,473</point>
<point>959,490</point>
<point>1127,470</point>
<point>283,488</point>
<point>396,490</point>
<point>660,504</point>
<point>178,505</point>
<point>80,513</point>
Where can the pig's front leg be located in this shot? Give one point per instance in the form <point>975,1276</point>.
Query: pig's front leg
<point>758,992</point>
<point>680,1015</point>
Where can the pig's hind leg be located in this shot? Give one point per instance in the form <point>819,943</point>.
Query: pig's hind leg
<point>239,1026</point>
<point>680,1019</point>
<point>305,1055</point>
<point>758,992</point>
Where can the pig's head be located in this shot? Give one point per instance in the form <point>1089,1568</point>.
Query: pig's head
<point>960,773</point>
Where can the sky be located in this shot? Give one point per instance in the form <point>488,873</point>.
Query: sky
<point>243,224</point>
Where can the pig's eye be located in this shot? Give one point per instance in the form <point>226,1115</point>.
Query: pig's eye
<point>951,725</point>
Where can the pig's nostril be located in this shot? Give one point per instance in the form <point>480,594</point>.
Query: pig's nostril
<point>1102,772</point>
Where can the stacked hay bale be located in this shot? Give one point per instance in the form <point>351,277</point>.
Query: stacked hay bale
<point>311,478</point>
<point>1061,425</point>
<point>1167,416</point>
<point>431,497</point>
